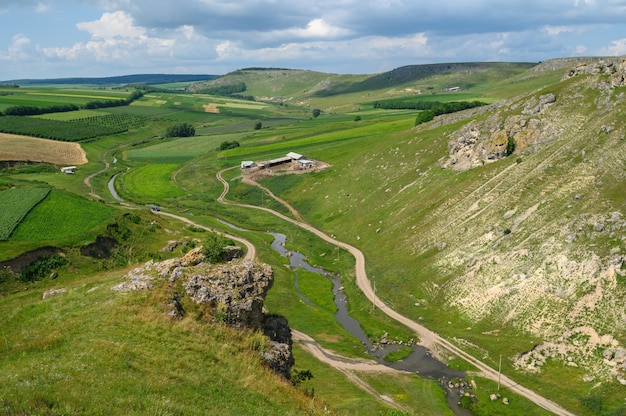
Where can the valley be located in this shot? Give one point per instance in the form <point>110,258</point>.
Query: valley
<point>494,236</point>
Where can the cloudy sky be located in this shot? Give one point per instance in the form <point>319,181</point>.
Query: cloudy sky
<point>65,38</point>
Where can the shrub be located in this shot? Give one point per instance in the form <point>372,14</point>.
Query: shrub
<point>41,267</point>
<point>213,247</point>
<point>229,145</point>
<point>180,130</point>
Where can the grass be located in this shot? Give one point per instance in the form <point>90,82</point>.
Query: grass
<point>62,216</point>
<point>15,204</point>
<point>91,334</point>
<point>387,194</point>
<point>152,182</point>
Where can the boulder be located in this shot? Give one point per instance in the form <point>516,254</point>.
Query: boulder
<point>53,292</point>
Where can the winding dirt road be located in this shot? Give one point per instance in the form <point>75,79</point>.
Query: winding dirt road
<point>428,338</point>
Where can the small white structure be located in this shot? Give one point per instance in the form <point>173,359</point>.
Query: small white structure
<point>68,170</point>
<point>306,163</point>
<point>294,156</point>
<point>247,164</point>
<point>452,89</point>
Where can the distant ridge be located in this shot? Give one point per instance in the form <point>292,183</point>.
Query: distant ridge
<point>151,79</point>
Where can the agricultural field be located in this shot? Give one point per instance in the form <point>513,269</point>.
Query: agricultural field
<point>23,148</point>
<point>62,216</point>
<point>15,204</point>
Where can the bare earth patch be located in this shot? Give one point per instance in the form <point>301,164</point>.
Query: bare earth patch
<point>211,108</point>
<point>24,148</point>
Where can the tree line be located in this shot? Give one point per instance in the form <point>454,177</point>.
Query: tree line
<point>31,110</point>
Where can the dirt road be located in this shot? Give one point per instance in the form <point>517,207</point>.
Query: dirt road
<point>428,338</point>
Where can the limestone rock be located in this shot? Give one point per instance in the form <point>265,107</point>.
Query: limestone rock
<point>53,292</point>
<point>236,292</point>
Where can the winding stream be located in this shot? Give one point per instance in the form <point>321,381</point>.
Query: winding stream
<point>420,361</point>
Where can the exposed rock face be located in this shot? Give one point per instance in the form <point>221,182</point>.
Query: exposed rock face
<point>478,143</point>
<point>614,67</point>
<point>236,291</point>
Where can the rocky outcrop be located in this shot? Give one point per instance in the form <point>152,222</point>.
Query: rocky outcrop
<point>615,68</point>
<point>477,143</point>
<point>234,291</point>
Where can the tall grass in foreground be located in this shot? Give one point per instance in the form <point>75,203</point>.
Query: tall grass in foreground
<point>98,352</point>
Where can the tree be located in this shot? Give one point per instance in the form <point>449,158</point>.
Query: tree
<point>258,125</point>
<point>510,146</point>
<point>316,112</point>
<point>180,130</point>
<point>424,116</point>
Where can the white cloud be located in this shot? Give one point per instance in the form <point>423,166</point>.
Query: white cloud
<point>111,26</point>
<point>43,8</point>
<point>318,28</point>
<point>617,47</point>
<point>558,30</point>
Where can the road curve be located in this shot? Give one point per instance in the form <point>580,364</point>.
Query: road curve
<point>428,338</point>
<point>250,249</point>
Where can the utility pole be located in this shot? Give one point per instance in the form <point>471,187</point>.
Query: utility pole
<point>499,371</point>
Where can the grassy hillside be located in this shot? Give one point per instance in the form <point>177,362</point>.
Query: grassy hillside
<point>520,254</point>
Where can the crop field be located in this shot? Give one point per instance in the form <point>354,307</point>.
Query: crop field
<point>71,131</point>
<point>15,147</point>
<point>15,204</point>
<point>61,216</point>
<point>72,115</point>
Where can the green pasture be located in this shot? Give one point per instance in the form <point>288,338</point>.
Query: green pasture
<point>15,204</point>
<point>62,216</point>
<point>151,182</point>
<point>129,358</point>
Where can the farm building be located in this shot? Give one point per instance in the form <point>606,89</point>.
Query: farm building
<point>68,170</point>
<point>305,163</point>
<point>247,164</point>
<point>294,156</point>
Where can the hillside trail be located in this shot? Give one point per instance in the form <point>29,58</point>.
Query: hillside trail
<point>428,338</point>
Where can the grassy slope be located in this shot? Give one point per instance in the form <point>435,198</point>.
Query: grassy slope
<point>389,196</point>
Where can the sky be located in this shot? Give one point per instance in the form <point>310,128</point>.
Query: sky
<point>99,38</point>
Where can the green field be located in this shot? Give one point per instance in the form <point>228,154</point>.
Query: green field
<point>15,204</point>
<point>152,182</point>
<point>61,216</point>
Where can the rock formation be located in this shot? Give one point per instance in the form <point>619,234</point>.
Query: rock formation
<point>234,291</point>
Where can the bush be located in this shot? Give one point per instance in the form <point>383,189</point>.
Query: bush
<point>316,112</point>
<point>41,267</point>
<point>229,145</point>
<point>258,125</point>
<point>180,130</point>
<point>213,247</point>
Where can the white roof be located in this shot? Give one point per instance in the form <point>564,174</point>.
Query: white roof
<point>294,155</point>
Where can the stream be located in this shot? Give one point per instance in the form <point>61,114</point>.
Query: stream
<point>420,361</point>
